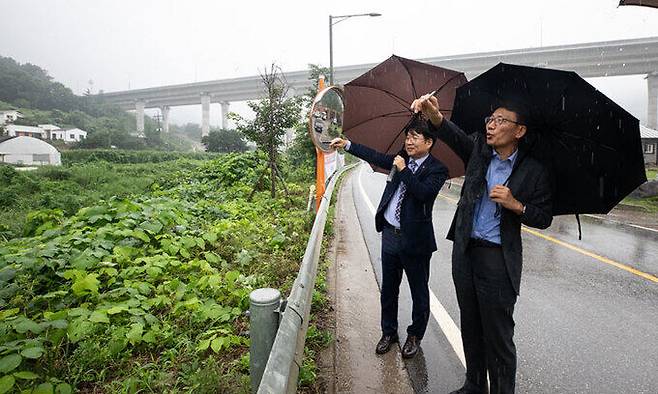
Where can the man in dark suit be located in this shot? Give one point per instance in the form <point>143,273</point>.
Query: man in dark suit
<point>404,217</point>
<point>503,188</point>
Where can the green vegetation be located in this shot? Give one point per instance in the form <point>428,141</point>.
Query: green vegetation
<point>224,141</point>
<point>29,89</point>
<point>128,156</point>
<point>147,293</point>
<point>652,174</point>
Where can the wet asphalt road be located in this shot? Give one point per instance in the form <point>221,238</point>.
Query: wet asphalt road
<point>583,325</point>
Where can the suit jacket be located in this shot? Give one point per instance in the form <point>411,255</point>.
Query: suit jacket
<point>529,183</point>
<point>417,231</point>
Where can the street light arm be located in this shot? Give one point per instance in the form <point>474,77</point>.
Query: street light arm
<point>343,17</point>
<point>339,18</point>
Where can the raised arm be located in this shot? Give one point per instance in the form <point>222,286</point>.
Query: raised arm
<point>448,132</point>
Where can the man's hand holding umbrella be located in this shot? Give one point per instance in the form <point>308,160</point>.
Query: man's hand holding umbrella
<point>429,106</point>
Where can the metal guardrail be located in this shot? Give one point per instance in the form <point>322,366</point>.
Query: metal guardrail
<point>282,369</point>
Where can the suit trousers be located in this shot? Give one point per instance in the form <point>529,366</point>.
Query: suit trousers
<point>417,269</point>
<point>486,303</point>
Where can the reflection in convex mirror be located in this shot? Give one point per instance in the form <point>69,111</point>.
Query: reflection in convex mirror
<point>326,118</point>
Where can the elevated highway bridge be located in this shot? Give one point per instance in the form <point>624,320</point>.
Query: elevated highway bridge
<point>596,59</point>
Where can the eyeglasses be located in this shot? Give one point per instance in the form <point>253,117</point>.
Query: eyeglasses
<point>498,120</point>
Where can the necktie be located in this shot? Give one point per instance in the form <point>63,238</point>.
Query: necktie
<point>403,189</point>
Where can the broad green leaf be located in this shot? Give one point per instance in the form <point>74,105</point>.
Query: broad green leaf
<point>203,345</point>
<point>73,312</point>
<point>152,227</point>
<point>8,313</point>
<point>59,324</point>
<point>232,276</point>
<point>210,236</point>
<point>135,333</point>
<point>63,388</point>
<point>10,362</point>
<point>150,336</point>
<point>139,234</point>
<point>55,294</point>
<point>44,388</point>
<point>99,317</point>
<point>32,352</point>
<point>218,343</point>
<point>117,309</point>
<point>24,325</point>
<point>211,257</point>
<point>79,328</point>
<point>26,375</point>
<point>88,284</point>
<point>7,274</point>
<point>153,272</point>
<point>72,274</point>
<point>6,383</point>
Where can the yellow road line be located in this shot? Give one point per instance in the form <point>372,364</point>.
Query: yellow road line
<point>583,251</point>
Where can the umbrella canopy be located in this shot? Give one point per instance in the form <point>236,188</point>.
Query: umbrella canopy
<point>646,3</point>
<point>377,105</point>
<point>591,144</point>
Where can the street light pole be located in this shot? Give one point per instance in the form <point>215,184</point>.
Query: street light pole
<point>339,18</point>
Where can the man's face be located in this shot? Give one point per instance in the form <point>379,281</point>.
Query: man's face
<point>417,145</point>
<point>502,129</point>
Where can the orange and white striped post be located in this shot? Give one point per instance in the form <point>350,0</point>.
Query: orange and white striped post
<point>319,163</point>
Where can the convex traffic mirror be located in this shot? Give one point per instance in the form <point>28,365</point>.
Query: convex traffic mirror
<point>326,117</point>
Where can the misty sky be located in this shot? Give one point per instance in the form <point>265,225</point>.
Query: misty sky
<point>121,44</point>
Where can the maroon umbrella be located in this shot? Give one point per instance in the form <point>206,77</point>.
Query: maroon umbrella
<point>377,105</point>
<point>646,3</point>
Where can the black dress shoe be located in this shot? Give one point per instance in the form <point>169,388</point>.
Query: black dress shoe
<point>470,388</point>
<point>384,344</point>
<point>410,347</point>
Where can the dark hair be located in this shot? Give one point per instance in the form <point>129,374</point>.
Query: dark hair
<point>517,107</point>
<point>419,124</point>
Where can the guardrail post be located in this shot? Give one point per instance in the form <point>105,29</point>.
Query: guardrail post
<point>264,322</point>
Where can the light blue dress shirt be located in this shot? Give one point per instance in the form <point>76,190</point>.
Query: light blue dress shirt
<point>486,224</point>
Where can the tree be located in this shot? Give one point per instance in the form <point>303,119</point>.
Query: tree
<point>275,114</point>
<point>224,141</point>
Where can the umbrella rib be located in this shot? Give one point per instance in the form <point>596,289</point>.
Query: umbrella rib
<point>411,79</point>
<point>389,115</point>
<point>398,99</point>
<point>447,82</point>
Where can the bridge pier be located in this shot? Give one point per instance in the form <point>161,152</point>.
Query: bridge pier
<point>225,109</point>
<point>139,115</point>
<point>652,105</point>
<point>165,118</point>
<point>205,114</point>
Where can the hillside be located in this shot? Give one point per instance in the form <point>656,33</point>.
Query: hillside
<point>29,89</point>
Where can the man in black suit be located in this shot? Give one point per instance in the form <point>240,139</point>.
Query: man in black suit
<point>503,188</point>
<point>404,217</point>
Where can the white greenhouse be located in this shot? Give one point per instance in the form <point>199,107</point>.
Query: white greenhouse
<point>28,151</point>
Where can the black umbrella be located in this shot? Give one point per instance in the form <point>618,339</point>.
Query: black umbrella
<point>591,144</point>
<point>645,3</point>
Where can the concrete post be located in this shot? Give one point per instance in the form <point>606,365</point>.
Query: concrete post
<point>139,114</point>
<point>264,322</point>
<point>652,105</point>
<point>205,114</point>
<point>225,109</point>
<point>165,118</point>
